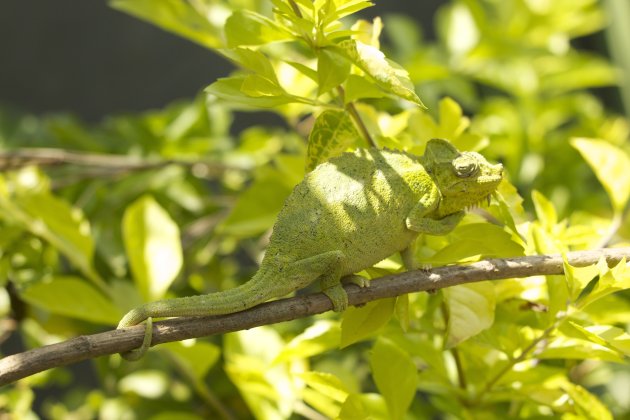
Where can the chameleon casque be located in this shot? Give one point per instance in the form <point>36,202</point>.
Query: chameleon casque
<point>346,215</point>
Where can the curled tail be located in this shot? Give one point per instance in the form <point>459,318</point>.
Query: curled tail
<point>255,291</point>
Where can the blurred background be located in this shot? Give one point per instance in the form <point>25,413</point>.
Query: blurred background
<point>88,59</point>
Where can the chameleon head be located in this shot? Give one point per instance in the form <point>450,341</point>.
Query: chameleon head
<point>463,178</point>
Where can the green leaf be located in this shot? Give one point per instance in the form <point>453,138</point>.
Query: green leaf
<point>608,336</point>
<point>255,85</point>
<point>316,339</point>
<point>360,323</point>
<point>610,281</point>
<point>196,357</point>
<point>587,406</point>
<point>151,384</point>
<point>387,75</point>
<point>610,164</point>
<point>545,211</point>
<point>363,406</point>
<point>470,311</point>
<point>345,8</point>
<point>254,61</point>
<point>268,390</point>
<point>326,383</point>
<point>244,28</point>
<point>452,120</point>
<point>153,246</point>
<point>578,277</point>
<point>179,17</point>
<point>257,207</point>
<point>359,87</point>
<point>474,240</point>
<point>332,70</point>
<point>230,89</point>
<point>63,226</point>
<point>73,297</point>
<point>333,133</point>
<point>395,376</point>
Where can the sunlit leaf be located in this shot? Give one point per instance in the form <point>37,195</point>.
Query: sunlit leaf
<point>151,384</point>
<point>610,281</point>
<point>470,310</point>
<point>267,389</point>
<point>326,383</point>
<point>153,246</point>
<point>359,87</point>
<point>545,211</point>
<point>360,323</point>
<point>390,77</point>
<point>587,405</point>
<point>179,17</point>
<point>196,358</point>
<point>473,240</point>
<point>230,89</point>
<point>257,207</point>
<point>244,28</point>
<point>73,297</point>
<point>610,165</point>
<point>395,375</point>
<point>316,339</point>
<point>331,135</point>
<point>332,70</point>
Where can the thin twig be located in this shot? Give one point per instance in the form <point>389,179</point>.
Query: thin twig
<point>358,122</point>
<point>14,159</point>
<point>20,365</point>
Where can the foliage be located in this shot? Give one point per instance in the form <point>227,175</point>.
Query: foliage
<point>187,206</point>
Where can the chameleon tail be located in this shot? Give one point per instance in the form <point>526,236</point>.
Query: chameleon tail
<point>255,291</point>
<point>252,293</point>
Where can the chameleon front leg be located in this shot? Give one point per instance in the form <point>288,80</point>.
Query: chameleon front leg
<point>432,226</point>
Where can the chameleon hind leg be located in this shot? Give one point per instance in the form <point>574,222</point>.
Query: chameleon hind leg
<point>326,268</point>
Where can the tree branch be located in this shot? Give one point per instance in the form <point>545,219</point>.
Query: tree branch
<point>20,365</point>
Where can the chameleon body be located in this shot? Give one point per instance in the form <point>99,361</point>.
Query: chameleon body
<point>346,215</point>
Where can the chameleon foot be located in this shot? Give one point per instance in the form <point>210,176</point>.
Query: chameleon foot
<point>356,279</point>
<point>338,297</point>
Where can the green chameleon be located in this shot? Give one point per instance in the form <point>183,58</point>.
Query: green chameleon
<point>346,215</point>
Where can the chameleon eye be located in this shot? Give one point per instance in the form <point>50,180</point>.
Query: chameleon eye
<point>465,167</point>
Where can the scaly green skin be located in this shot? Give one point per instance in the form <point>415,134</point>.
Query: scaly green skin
<point>347,215</point>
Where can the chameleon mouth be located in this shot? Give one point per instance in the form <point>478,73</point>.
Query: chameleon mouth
<point>484,201</point>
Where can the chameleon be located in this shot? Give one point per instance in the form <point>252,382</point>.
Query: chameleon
<point>346,215</point>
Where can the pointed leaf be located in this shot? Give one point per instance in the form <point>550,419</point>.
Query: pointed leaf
<point>332,70</point>
<point>153,246</point>
<point>73,297</point>
<point>470,310</point>
<point>331,135</point>
<point>395,375</point>
<point>390,77</point>
<point>196,358</point>
<point>244,28</point>
<point>179,17</point>
<point>610,164</point>
<point>360,323</point>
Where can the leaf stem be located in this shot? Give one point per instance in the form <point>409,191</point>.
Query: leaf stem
<point>354,114</point>
<point>461,374</point>
<point>492,382</point>
<point>203,391</point>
